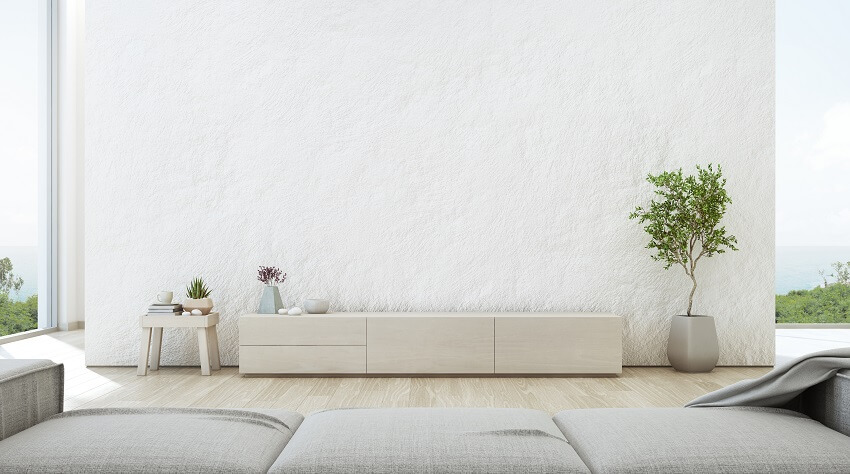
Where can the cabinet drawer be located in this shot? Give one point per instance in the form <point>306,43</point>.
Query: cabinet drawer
<point>302,359</point>
<point>552,345</point>
<point>430,345</point>
<point>274,330</point>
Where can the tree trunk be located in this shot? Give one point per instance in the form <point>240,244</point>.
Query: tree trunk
<point>693,290</point>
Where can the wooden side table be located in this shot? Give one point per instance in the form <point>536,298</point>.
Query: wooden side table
<point>207,339</point>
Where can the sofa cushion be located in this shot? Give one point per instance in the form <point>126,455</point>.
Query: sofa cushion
<point>151,440</point>
<point>404,440</point>
<point>828,402</point>
<point>702,440</point>
<point>31,390</point>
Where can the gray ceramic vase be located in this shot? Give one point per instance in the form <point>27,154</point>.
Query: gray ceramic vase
<point>693,346</point>
<point>270,302</point>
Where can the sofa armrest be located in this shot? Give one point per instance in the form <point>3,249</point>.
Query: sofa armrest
<point>30,392</point>
<point>828,402</point>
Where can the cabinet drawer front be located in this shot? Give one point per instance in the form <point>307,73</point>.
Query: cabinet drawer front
<point>420,345</point>
<point>532,345</point>
<point>302,331</point>
<point>302,359</point>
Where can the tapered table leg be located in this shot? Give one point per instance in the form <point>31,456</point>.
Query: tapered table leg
<point>204,351</point>
<point>212,340</point>
<point>144,351</point>
<point>156,348</point>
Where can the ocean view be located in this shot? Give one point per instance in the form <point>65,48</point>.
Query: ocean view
<point>25,263</point>
<point>797,267</point>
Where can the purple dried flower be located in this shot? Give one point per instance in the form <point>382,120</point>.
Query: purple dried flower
<point>271,275</point>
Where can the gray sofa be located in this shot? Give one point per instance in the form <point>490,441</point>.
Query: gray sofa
<point>36,436</point>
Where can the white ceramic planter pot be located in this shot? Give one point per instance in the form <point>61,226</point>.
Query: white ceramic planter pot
<point>203,304</point>
<point>317,306</point>
<point>693,346</point>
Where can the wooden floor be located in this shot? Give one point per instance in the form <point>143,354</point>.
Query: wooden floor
<point>185,387</point>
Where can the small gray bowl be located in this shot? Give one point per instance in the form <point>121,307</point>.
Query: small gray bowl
<point>316,306</point>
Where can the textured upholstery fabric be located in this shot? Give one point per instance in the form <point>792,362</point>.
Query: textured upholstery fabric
<point>30,392</point>
<point>131,440</point>
<point>782,384</point>
<point>829,402</point>
<point>705,440</point>
<point>423,440</point>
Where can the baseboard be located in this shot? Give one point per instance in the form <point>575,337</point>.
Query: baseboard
<point>72,326</point>
<point>26,335</point>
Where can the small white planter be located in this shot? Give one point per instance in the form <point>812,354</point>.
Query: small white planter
<point>204,305</point>
<point>317,306</point>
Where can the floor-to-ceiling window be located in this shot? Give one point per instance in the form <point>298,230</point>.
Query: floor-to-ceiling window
<point>27,230</point>
<point>813,161</point>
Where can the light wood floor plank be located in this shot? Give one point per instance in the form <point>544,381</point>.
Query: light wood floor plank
<point>92,387</point>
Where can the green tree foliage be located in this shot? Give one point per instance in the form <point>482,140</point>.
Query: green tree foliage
<point>842,273</point>
<point>18,316</point>
<point>684,223</point>
<point>830,304</point>
<point>9,281</point>
<point>15,316</point>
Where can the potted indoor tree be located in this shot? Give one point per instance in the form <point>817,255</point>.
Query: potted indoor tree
<point>684,226</point>
<point>198,297</point>
<point>270,302</point>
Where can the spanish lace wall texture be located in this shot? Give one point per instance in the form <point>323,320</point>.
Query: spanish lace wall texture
<point>422,156</point>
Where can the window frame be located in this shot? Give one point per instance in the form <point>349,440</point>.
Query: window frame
<point>47,245</point>
<point>47,165</point>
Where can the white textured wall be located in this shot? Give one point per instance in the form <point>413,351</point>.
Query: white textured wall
<point>443,155</point>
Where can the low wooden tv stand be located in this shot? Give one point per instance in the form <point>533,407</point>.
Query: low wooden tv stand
<point>431,343</point>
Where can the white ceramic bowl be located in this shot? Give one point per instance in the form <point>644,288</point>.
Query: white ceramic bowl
<point>317,306</point>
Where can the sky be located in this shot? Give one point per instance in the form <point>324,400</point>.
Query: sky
<point>18,123</point>
<point>813,122</point>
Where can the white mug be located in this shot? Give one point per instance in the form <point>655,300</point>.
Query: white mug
<point>165,297</point>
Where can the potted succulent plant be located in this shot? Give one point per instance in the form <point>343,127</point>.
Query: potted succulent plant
<point>198,297</point>
<point>684,226</point>
<point>270,302</point>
